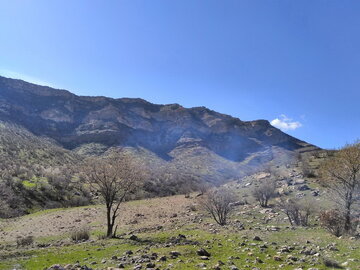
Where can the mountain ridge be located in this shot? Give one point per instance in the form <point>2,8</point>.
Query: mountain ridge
<point>73,120</point>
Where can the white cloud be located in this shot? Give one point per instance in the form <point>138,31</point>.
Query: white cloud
<point>24,77</point>
<point>284,123</point>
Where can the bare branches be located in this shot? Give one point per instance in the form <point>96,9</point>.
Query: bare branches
<point>298,212</point>
<point>341,175</point>
<point>114,178</point>
<point>264,192</point>
<point>218,203</point>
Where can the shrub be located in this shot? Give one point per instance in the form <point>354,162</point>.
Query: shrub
<point>333,221</point>
<point>298,213</point>
<point>218,203</point>
<point>82,234</point>
<point>264,192</point>
<point>25,241</point>
<point>77,201</point>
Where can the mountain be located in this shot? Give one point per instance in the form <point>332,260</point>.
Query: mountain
<point>45,133</point>
<point>73,121</point>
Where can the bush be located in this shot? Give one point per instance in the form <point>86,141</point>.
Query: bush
<point>218,203</point>
<point>78,201</point>
<point>333,221</point>
<point>82,234</point>
<point>298,213</point>
<point>25,241</point>
<point>264,192</point>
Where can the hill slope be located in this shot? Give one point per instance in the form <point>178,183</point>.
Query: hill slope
<point>166,130</point>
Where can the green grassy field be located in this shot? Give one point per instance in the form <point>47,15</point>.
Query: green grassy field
<point>228,245</point>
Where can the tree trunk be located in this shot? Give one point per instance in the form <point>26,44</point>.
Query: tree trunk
<point>110,225</point>
<point>347,225</point>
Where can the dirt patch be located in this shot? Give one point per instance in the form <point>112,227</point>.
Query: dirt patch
<point>134,215</point>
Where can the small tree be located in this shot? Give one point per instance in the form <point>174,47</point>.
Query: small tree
<point>333,221</point>
<point>264,192</point>
<point>341,174</point>
<point>218,203</point>
<point>297,212</point>
<point>114,177</point>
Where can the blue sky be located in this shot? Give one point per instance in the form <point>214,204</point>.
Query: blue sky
<point>295,63</point>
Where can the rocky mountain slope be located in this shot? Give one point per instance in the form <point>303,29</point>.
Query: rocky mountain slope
<point>165,130</point>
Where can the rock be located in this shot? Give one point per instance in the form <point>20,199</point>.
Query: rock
<point>277,258</point>
<point>56,267</point>
<point>293,258</point>
<point>205,258</point>
<point>303,188</point>
<point>315,193</point>
<point>299,181</point>
<point>203,252</point>
<point>150,265</point>
<point>175,253</point>
<point>257,238</point>
<point>128,252</point>
<point>163,259</point>
<point>134,237</point>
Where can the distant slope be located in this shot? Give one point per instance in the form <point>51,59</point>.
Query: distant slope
<point>34,173</point>
<point>163,129</point>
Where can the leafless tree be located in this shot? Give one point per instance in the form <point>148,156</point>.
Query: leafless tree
<point>298,212</point>
<point>333,221</point>
<point>264,192</point>
<point>341,174</point>
<point>114,178</point>
<point>218,202</point>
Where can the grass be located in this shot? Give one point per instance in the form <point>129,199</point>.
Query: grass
<point>229,245</point>
<point>222,246</point>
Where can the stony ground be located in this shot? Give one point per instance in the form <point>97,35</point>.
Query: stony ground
<point>134,215</point>
<point>172,233</point>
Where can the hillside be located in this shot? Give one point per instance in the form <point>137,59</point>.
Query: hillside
<point>166,130</point>
<point>74,120</point>
<point>44,131</point>
<point>34,173</point>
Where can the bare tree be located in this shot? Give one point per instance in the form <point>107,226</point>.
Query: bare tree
<point>264,192</point>
<point>218,202</point>
<point>114,178</point>
<point>333,221</point>
<point>341,174</point>
<point>298,212</point>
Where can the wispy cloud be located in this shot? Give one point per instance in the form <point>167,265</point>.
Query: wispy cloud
<point>16,75</point>
<point>285,123</point>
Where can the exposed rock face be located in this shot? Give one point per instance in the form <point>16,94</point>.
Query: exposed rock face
<point>163,129</point>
